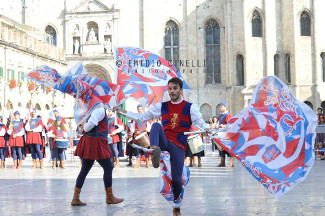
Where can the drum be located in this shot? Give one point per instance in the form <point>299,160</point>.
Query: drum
<point>62,143</point>
<point>76,141</point>
<point>142,139</point>
<point>218,134</point>
<point>195,143</point>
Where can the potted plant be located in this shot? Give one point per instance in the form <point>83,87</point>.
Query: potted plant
<point>48,89</point>
<point>31,86</point>
<point>12,83</point>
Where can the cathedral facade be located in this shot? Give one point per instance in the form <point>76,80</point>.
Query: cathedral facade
<point>221,47</point>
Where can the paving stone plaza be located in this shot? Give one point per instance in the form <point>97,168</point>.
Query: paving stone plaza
<point>211,191</point>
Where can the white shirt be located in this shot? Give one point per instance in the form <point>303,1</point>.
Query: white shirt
<point>155,113</point>
<point>2,131</point>
<point>96,116</point>
<point>38,129</point>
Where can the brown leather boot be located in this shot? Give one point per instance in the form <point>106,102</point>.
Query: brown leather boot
<point>231,164</point>
<point>62,164</point>
<point>176,211</point>
<point>19,164</point>
<point>117,165</point>
<point>222,163</point>
<point>15,164</point>
<point>75,200</point>
<point>130,162</point>
<point>2,164</point>
<point>110,199</point>
<point>41,164</point>
<point>138,163</point>
<point>199,162</point>
<point>147,163</point>
<point>34,164</point>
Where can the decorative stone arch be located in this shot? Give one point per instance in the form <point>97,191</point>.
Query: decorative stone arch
<point>47,107</point>
<point>309,104</point>
<point>206,111</point>
<point>257,21</point>
<point>98,71</point>
<point>20,105</point>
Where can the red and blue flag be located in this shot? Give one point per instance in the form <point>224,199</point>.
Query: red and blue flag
<point>273,137</point>
<point>143,76</point>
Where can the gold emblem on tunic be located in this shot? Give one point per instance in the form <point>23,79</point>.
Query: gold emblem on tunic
<point>174,120</point>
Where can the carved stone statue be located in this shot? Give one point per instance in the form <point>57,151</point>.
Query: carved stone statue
<point>108,46</point>
<point>76,46</point>
<point>108,28</point>
<point>92,36</point>
<point>76,29</point>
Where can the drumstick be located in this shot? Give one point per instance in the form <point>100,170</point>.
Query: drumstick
<point>194,132</point>
<point>141,148</point>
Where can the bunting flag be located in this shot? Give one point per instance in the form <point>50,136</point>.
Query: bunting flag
<point>90,93</point>
<point>165,183</point>
<point>273,137</point>
<point>143,76</point>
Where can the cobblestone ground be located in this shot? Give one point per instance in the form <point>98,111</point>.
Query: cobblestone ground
<point>211,191</point>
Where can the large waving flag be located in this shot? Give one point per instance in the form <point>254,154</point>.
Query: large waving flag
<point>273,137</point>
<point>89,92</point>
<point>165,180</point>
<point>143,76</point>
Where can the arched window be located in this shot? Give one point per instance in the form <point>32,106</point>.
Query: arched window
<point>37,107</point>
<point>212,52</point>
<point>51,35</point>
<point>47,107</point>
<point>257,28</point>
<point>305,24</point>
<point>276,65</point>
<point>240,70</point>
<point>322,55</point>
<point>172,42</point>
<point>206,111</point>
<point>288,68</point>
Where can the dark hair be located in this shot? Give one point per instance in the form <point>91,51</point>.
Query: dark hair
<point>176,80</point>
<point>319,108</point>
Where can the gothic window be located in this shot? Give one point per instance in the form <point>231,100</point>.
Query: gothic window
<point>212,52</point>
<point>240,70</point>
<point>257,28</point>
<point>171,42</point>
<point>287,68</point>
<point>322,55</point>
<point>51,35</point>
<point>305,24</point>
<point>276,65</point>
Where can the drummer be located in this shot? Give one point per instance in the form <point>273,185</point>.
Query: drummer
<point>3,131</point>
<point>140,128</point>
<point>223,119</point>
<point>115,126</point>
<point>177,117</point>
<point>57,131</point>
<point>16,140</point>
<point>34,127</point>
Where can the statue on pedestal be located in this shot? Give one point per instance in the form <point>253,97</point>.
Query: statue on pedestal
<point>92,36</point>
<point>108,46</point>
<point>76,46</point>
